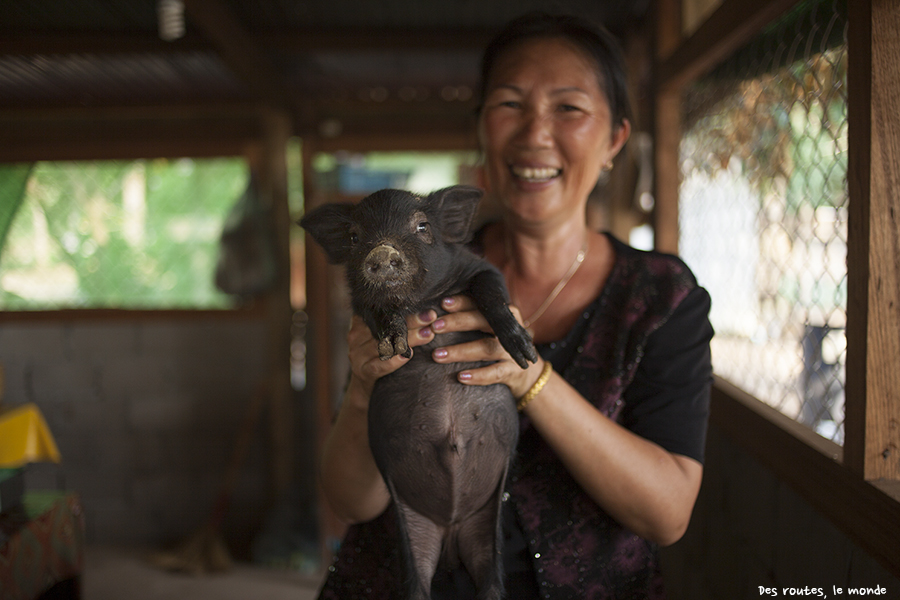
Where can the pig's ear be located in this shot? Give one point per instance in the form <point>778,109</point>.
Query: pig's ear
<point>456,207</point>
<point>329,225</point>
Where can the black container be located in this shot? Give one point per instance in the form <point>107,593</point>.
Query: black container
<point>12,487</point>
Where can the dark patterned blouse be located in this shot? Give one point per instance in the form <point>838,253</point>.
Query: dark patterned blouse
<point>640,354</point>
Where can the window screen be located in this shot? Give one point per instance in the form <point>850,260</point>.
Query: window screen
<point>763,212</point>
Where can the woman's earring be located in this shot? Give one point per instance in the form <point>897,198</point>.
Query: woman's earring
<point>608,166</point>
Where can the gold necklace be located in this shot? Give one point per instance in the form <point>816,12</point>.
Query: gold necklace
<point>579,258</point>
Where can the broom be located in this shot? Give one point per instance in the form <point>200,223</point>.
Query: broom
<point>205,551</point>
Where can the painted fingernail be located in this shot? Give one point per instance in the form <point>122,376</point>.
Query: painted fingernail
<point>440,353</point>
<point>425,333</point>
<point>465,376</point>
<point>448,302</point>
<point>439,324</point>
<point>426,316</point>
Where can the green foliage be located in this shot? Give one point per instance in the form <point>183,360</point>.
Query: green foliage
<point>787,129</point>
<point>12,191</point>
<point>136,234</point>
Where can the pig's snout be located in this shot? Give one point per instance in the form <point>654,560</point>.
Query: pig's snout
<point>385,264</point>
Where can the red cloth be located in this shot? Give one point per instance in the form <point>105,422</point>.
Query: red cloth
<point>47,549</point>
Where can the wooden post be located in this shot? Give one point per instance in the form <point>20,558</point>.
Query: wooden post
<point>667,17</point>
<point>624,214</point>
<point>667,127</point>
<point>320,349</point>
<point>668,180</point>
<point>271,173</point>
<point>872,425</point>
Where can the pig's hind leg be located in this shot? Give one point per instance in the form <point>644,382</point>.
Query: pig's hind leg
<point>422,540</point>
<point>480,543</point>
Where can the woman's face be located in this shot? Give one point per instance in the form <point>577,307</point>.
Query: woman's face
<point>545,130</point>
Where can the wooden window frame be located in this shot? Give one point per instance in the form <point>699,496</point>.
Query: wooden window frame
<point>201,131</point>
<point>257,132</point>
<point>251,311</point>
<point>856,487</point>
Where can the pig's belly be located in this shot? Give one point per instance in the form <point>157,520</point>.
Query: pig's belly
<point>441,445</point>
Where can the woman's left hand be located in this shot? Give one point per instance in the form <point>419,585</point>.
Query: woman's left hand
<point>463,316</point>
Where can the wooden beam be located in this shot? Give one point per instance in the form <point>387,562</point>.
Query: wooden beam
<point>299,41</point>
<point>873,256</point>
<point>400,142</point>
<point>164,112</point>
<point>252,311</point>
<point>731,26</point>
<point>24,140</point>
<point>63,43</point>
<point>411,126</point>
<point>432,105</point>
<point>237,48</point>
<point>201,129</point>
<point>354,39</point>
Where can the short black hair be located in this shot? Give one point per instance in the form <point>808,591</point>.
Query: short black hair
<point>594,40</point>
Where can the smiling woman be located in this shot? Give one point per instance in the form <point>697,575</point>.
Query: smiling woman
<point>613,413</point>
<point>547,129</point>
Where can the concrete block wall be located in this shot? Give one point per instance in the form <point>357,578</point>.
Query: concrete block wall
<point>750,530</point>
<point>145,414</point>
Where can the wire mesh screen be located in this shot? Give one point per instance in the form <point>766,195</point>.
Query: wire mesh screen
<point>115,234</point>
<point>763,212</point>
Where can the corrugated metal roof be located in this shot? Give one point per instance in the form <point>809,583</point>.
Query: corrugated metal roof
<point>86,79</point>
<point>107,53</point>
<point>429,14</point>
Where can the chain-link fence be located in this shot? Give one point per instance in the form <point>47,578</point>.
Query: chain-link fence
<point>763,212</point>
<point>115,234</point>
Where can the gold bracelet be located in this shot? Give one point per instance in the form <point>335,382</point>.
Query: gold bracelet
<point>537,387</point>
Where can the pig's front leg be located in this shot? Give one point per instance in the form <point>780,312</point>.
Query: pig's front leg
<point>390,332</point>
<point>488,292</point>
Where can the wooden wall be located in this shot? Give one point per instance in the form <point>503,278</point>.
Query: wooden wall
<point>751,528</point>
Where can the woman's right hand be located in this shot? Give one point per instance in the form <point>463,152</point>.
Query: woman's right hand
<point>366,367</point>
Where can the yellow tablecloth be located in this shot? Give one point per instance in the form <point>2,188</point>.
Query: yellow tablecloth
<point>25,438</point>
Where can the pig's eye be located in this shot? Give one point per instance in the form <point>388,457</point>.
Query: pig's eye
<point>354,239</point>
<point>422,228</point>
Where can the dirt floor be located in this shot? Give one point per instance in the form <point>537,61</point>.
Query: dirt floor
<point>125,574</point>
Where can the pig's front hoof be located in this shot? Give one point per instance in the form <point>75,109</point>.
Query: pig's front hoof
<point>389,347</point>
<point>518,344</point>
<point>525,354</point>
<point>401,347</point>
<point>385,349</point>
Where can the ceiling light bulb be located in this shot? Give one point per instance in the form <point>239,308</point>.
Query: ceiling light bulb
<point>170,14</point>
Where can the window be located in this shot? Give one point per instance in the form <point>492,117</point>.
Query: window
<point>356,174</point>
<point>115,234</point>
<point>764,168</point>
